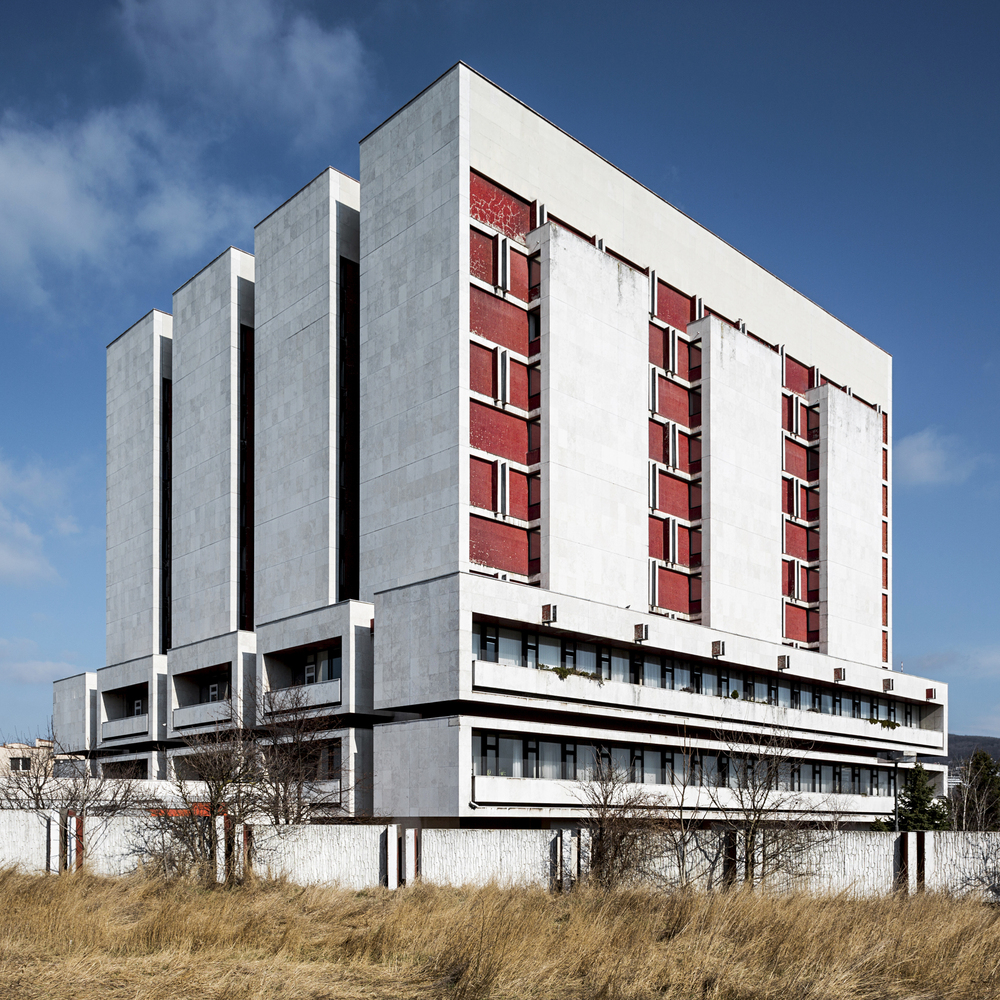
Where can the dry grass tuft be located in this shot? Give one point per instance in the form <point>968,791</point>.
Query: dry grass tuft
<point>78,936</point>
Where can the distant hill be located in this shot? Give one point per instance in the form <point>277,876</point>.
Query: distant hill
<point>962,747</point>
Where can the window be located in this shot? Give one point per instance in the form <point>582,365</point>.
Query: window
<point>20,763</point>
<point>534,278</point>
<point>137,707</point>
<point>213,692</point>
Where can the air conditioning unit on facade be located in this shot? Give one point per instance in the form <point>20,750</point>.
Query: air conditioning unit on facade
<point>887,684</point>
<point>548,613</point>
<point>932,694</point>
<point>718,648</point>
<point>784,661</point>
<point>641,633</point>
<point>839,673</point>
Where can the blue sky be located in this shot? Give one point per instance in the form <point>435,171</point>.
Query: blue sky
<point>852,149</point>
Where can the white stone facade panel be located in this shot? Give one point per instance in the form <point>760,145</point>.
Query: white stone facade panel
<point>208,311</point>
<point>421,768</point>
<point>741,482</point>
<point>137,362</point>
<point>850,540</point>
<point>594,440</point>
<point>414,357</point>
<point>297,302</point>
<point>519,149</point>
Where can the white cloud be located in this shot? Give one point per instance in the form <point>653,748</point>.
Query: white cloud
<point>117,186</point>
<point>930,457</point>
<point>18,667</point>
<point>34,503</point>
<point>259,59</point>
<point>132,187</point>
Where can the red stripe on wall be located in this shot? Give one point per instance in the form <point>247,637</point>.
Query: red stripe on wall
<point>497,432</point>
<point>503,210</point>
<point>498,545</point>
<point>499,321</point>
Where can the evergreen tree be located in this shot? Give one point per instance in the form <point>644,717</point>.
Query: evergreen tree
<point>919,809</point>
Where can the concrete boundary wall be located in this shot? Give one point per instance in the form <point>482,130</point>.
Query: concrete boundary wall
<point>475,857</point>
<point>362,856</point>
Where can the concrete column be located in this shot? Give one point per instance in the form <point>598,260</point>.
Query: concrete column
<point>392,856</point>
<point>411,855</point>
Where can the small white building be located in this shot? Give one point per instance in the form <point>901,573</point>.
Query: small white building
<point>507,466</point>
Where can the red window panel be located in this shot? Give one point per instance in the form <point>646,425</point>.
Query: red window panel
<point>788,413</point>
<point>684,452</point>
<point>694,409</point>
<point>683,546</point>
<point>498,321</point>
<point>497,432</point>
<point>796,459</point>
<point>885,464</point>
<point>656,538</point>
<point>885,536</point>
<point>788,578</point>
<point>694,362</point>
<point>812,544</point>
<point>657,346</point>
<point>483,256</point>
<point>812,626</point>
<point>810,505</point>
<point>534,498</point>
<point>810,421</point>
<point>885,501</point>
<point>534,277</point>
<point>885,574</point>
<point>518,277</point>
<point>482,370</point>
<point>517,501</point>
<point>885,609</point>
<point>498,545</point>
<point>796,623</point>
<point>695,501</point>
<point>482,483</point>
<point>534,388</point>
<point>885,647</point>
<point>885,428</point>
<point>798,377</point>
<point>673,590</point>
<point>811,585</point>
<point>693,445</point>
<point>672,401</point>
<point>518,382</point>
<point>694,593</point>
<point>796,542</point>
<point>672,496</point>
<point>499,208</point>
<point>534,443</point>
<point>673,307</point>
<point>683,358</point>
<point>788,496</point>
<point>657,433</point>
<point>695,541</point>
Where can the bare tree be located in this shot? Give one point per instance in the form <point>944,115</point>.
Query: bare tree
<point>769,828</point>
<point>57,783</point>
<point>621,825</point>
<point>216,781</point>
<point>681,822</point>
<point>302,777</point>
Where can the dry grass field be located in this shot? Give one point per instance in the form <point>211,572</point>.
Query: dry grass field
<point>82,937</point>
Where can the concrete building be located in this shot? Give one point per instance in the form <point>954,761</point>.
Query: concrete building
<point>506,467</point>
